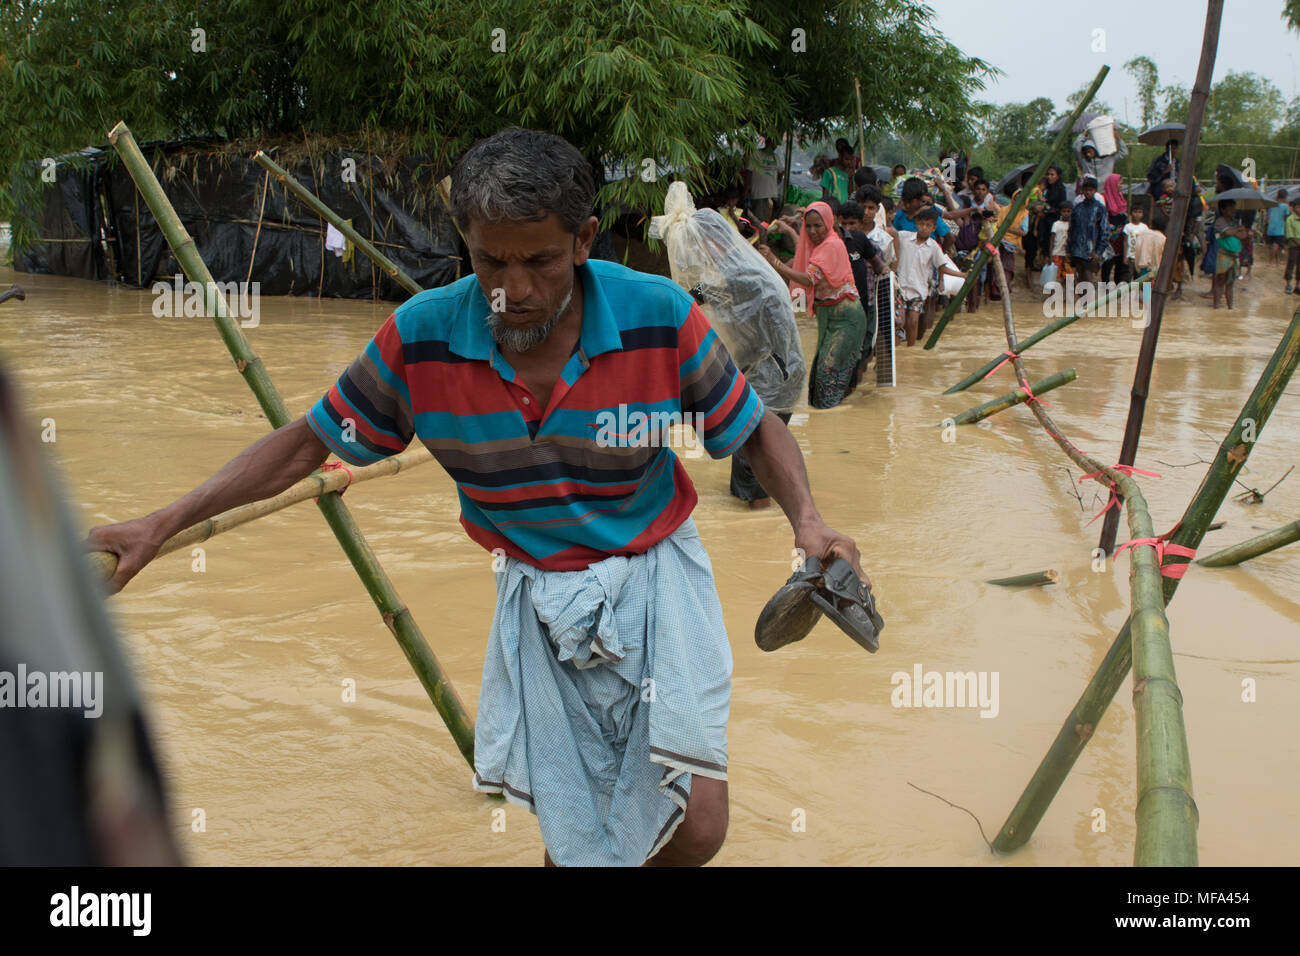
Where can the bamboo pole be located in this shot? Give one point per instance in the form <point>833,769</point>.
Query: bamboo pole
<point>862,136</point>
<point>1166,813</point>
<point>104,563</point>
<point>266,183</point>
<point>1123,288</point>
<point>395,614</point>
<point>1027,580</point>
<point>981,412</point>
<point>329,215</point>
<point>1177,222</point>
<point>1254,547</point>
<point>982,257</point>
<point>1091,706</point>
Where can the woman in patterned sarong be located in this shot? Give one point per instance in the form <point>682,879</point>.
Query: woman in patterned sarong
<point>822,275</point>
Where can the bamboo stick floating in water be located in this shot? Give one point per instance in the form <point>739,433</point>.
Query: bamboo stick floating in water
<point>397,617</point>
<point>1254,547</point>
<point>104,563</point>
<point>1027,580</point>
<point>1124,288</point>
<point>1105,683</point>
<point>339,223</point>
<point>981,412</point>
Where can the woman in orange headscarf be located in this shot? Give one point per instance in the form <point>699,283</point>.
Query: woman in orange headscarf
<point>821,279</point>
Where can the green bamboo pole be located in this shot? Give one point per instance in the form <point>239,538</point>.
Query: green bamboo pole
<point>982,258</point>
<point>1105,683</point>
<point>1028,580</point>
<point>395,614</point>
<point>862,136</point>
<point>1172,253</point>
<point>1166,813</point>
<point>981,412</point>
<point>1123,288</point>
<point>103,564</point>
<point>1254,547</point>
<point>329,215</point>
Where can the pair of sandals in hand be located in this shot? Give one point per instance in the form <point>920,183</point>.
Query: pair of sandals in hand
<point>833,590</point>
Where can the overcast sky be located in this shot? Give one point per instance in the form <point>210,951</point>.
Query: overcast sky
<point>1045,49</point>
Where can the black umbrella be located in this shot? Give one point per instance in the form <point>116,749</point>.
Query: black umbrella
<point>1079,125</point>
<point>1245,199</point>
<point>1233,175</point>
<point>1162,134</point>
<point>1016,177</point>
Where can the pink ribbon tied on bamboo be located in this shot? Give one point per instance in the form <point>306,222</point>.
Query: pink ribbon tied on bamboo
<point>334,466</point>
<point>1113,501</point>
<point>1163,547</point>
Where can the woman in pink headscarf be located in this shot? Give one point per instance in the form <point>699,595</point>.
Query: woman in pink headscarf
<point>821,275</point>
<point>1117,212</point>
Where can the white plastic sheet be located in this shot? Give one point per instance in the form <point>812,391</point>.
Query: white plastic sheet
<point>745,300</point>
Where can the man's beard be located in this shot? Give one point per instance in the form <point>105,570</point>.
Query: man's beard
<point>524,340</point>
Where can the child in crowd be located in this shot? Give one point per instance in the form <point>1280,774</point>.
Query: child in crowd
<point>1228,236</point>
<point>919,257</point>
<point>1060,233</point>
<point>874,221</point>
<point>1276,229</point>
<point>1132,231</point>
<point>1291,235</point>
<point>868,264</point>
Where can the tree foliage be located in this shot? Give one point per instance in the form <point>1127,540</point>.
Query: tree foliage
<point>683,82</point>
<point>1144,73</point>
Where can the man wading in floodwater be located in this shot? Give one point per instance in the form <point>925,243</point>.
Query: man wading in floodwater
<point>607,678</point>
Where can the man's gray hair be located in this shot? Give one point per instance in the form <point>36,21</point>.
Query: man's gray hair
<point>522,175</point>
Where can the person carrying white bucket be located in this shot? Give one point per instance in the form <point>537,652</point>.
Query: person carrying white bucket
<point>1097,149</point>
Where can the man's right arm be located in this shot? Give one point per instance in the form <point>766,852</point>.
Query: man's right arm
<point>262,470</point>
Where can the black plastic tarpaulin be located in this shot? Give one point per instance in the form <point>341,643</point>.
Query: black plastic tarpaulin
<point>69,220</point>
<point>246,225</point>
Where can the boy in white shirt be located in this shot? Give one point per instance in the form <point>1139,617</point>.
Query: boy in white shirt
<point>919,257</point>
<point>1132,231</point>
<point>1060,233</point>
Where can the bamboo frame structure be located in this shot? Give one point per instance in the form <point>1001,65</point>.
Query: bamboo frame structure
<point>1254,547</point>
<point>1166,813</point>
<point>104,563</point>
<point>329,215</point>
<point>1177,222</point>
<point>1010,399</point>
<point>1082,721</point>
<point>1051,328</point>
<point>397,617</point>
<point>982,257</point>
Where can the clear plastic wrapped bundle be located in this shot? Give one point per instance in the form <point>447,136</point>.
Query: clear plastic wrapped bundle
<point>745,300</point>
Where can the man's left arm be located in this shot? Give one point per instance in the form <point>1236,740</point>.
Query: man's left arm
<point>778,465</point>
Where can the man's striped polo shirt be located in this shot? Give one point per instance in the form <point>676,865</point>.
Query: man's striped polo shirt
<point>588,477</point>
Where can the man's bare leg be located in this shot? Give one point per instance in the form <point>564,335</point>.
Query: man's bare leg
<point>702,831</point>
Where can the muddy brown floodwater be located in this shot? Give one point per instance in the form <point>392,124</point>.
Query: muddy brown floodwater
<point>243,664</point>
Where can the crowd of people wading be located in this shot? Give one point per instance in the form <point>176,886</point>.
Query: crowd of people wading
<point>831,243</point>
